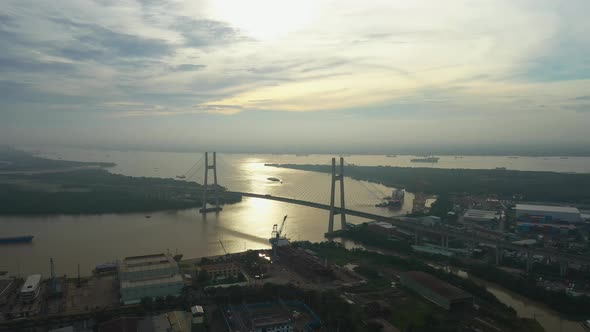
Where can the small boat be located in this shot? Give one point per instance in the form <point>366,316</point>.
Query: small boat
<point>16,239</point>
<point>392,204</point>
<point>181,176</point>
<point>148,216</point>
<point>273,179</point>
<point>500,168</point>
<point>425,160</point>
<point>104,268</point>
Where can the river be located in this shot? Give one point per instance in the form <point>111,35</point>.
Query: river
<point>91,239</point>
<point>549,319</point>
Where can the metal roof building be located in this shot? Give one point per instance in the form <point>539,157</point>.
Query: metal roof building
<point>149,276</point>
<point>547,213</point>
<point>147,266</point>
<point>437,291</point>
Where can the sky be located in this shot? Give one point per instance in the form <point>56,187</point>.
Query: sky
<point>304,75</point>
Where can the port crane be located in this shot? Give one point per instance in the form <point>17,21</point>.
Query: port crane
<point>277,238</point>
<point>223,247</point>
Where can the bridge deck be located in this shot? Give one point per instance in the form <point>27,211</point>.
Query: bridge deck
<point>408,223</point>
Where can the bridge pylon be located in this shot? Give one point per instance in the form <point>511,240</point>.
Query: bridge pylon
<point>342,210</point>
<point>208,167</point>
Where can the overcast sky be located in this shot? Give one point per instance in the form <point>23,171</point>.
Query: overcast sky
<point>294,75</point>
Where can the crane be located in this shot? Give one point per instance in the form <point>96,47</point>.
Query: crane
<point>276,233</point>
<point>277,238</point>
<point>223,247</point>
<point>280,232</point>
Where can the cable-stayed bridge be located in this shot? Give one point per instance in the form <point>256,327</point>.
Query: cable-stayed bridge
<point>330,196</point>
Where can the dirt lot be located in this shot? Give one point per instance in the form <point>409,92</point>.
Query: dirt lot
<point>96,292</point>
<point>282,274</point>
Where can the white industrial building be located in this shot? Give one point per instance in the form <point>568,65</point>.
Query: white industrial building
<point>549,213</point>
<point>149,276</point>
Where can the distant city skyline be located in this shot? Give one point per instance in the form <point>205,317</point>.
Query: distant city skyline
<point>494,76</point>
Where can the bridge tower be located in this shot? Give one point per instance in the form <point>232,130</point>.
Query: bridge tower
<point>208,167</point>
<point>333,211</point>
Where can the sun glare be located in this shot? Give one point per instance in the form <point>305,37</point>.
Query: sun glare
<point>264,20</point>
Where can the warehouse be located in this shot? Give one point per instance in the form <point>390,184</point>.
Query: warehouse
<point>138,267</point>
<point>548,214</point>
<point>437,291</point>
<point>149,276</point>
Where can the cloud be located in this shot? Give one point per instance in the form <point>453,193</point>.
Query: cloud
<point>188,67</point>
<point>18,64</point>
<point>92,42</point>
<point>204,33</point>
<point>376,60</point>
<point>218,109</point>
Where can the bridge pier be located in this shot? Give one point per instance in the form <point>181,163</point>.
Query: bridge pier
<point>208,167</point>
<point>563,268</point>
<point>342,212</point>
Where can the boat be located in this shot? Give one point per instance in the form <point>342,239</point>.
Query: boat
<point>104,268</point>
<point>148,216</point>
<point>273,179</point>
<point>395,201</point>
<point>181,176</point>
<point>425,160</point>
<point>392,204</point>
<point>500,168</point>
<point>16,239</point>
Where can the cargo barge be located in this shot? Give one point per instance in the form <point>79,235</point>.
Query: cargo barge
<point>16,239</point>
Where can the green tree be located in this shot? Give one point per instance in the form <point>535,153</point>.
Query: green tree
<point>203,277</point>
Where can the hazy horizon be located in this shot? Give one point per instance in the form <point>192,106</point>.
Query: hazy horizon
<point>453,77</point>
<point>514,150</point>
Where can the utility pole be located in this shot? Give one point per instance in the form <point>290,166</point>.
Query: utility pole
<point>78,284</point>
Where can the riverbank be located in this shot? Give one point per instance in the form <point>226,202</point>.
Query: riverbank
<point>573,307</point>
<point>32,185</point>
<point>97,192</point>
<point>529,185</point>
<point>380,269</point>
<point>14,161</point>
